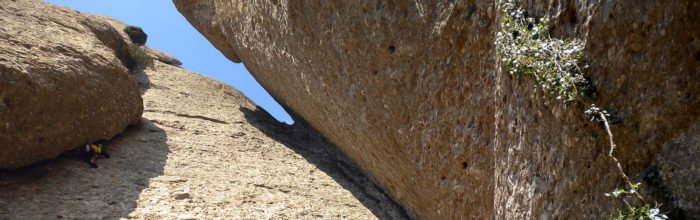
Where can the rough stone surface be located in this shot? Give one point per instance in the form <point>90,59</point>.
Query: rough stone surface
<point>413,93</point>
<point>63,82</point>
<point>162,56</point>
<point>202,150</point>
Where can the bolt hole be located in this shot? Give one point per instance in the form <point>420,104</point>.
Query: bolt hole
<point>443,178</point>
<point>374,73</point>
<point>464,165</point>
<point>392,48</point>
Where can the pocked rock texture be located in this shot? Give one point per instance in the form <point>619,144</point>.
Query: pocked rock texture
<point>63,82</point>
<point>413,92</point>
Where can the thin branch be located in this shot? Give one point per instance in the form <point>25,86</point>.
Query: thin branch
<point>628,204</point>
<point>619,167</point>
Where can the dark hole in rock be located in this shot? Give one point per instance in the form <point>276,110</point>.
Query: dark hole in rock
<point>443,178</point>
<point>470,11</point>
<point>464,165</point>
<point>392,48</point>
<point>374,73</point>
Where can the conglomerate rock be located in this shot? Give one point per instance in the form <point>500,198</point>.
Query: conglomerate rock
<point>413,92</point>
<point>63,82</point>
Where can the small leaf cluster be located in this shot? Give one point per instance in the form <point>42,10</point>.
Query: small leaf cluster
<point>610,115</point>
<point>645,212</point>
<point>524,46</point>
<point>140,57</point>
<point>620,191</point>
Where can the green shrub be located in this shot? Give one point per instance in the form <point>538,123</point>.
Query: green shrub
<point>525,48</point>
<point>136,34</point>
<point>140,57</point>
<point>523,44</point>
<point>645,212</point>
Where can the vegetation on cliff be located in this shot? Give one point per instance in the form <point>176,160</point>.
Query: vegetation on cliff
<point>136,34</point>
<point>556,66</point>
<point>140,57</point>
<point>525,47</point>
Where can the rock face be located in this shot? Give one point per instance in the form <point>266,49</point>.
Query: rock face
<point>414,94</point>
<point>202,150</point>
<point>63,82</point>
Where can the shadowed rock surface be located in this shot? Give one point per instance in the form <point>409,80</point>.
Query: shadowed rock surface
<point>62,82</point>
<point>413,93</point>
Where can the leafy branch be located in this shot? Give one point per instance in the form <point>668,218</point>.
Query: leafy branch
<point>525,48</point>
<point>645,212</point>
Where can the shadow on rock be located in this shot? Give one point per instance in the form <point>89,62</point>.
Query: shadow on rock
<point>143,81</point>
<point>68,188</point>
<point>316,149</point>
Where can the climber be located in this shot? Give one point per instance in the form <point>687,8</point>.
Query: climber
<point>89,153</point>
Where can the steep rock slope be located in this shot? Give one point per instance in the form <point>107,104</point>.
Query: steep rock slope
<point>63,82</point>
<point>412,91</point>
<point>201,150</point>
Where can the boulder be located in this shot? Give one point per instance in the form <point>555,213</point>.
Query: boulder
<point>63,82</point>
<point>413,92</point>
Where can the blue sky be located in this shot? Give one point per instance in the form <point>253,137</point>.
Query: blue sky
<point>168,31</point>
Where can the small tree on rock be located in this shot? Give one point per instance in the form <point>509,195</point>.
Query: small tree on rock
<point>136,34</point>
